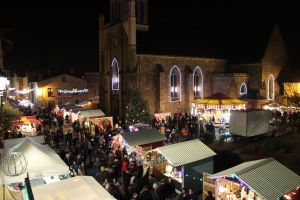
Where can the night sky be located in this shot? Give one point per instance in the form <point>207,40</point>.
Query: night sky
<point>65,35</point>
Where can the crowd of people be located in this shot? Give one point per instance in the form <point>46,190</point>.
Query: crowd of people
<point>184,125</point>
<point>118,171</point>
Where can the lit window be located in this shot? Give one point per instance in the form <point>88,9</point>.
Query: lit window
<point>115,79</point>
<point>271,88</point>
<point>198,83</point>
<point>243,89</point>
<point>50,92</point>
<point>175,84</point>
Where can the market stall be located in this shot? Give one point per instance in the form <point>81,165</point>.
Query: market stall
<point>79,187</point>
<point>217,107</point>
<point>87,104</point>
<point>25,103</point>
<point>86,115</point>
<point>271,106</point>
<point>255,180</point>
<point>42,162</point>
<point>100,123</point>
<point>184,162</point>
<point>142,140</point>
<point>162,116</point>
<point>27,125</point>
<point>71,111</point>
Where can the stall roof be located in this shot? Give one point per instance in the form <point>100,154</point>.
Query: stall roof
<point>42,161</point>
<point>12,142</point>
<point>267,177</point>
<point>79,187</point>
<point>72,107</point>
<point>143,136</point>
<point>92,113</point>
<point>186,152</point>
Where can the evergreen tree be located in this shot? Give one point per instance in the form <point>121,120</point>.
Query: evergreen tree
<point>7,115</point>
<point>137,109</point>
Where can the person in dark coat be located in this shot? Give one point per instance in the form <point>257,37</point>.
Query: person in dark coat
<point>145,194</point>
<point>169,187</point>
<point>210,196</point>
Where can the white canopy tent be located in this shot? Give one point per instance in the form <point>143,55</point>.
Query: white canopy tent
<point>79,187</point>
<point>42,162</point>
<point>7,193</point>
<point>9,143</point>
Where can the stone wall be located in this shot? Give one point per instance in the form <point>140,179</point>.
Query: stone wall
<point>115,44</point>
<point>274,59</point>
<point>253,71</point>
<point>153,79</point>
<point>229,84</point>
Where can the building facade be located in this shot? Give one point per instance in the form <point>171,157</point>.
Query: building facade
<point>62,89</point>
<point>171,83</point>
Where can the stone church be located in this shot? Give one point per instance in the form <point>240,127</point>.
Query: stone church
<point>169,82</point>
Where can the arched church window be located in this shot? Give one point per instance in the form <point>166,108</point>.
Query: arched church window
<point>271,87</point>
<point>198,82</point>
<point>175,84</point>
<point>243,88</point>
<point>115,77</point>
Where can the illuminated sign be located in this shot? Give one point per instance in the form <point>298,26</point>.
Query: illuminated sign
<point>72,91</point>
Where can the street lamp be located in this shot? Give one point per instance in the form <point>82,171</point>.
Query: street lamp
<point>3,85</point>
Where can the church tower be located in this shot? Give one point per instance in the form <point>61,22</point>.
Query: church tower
<point>117,53</point>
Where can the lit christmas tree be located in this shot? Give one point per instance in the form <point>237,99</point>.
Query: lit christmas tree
<point>137,109</point>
